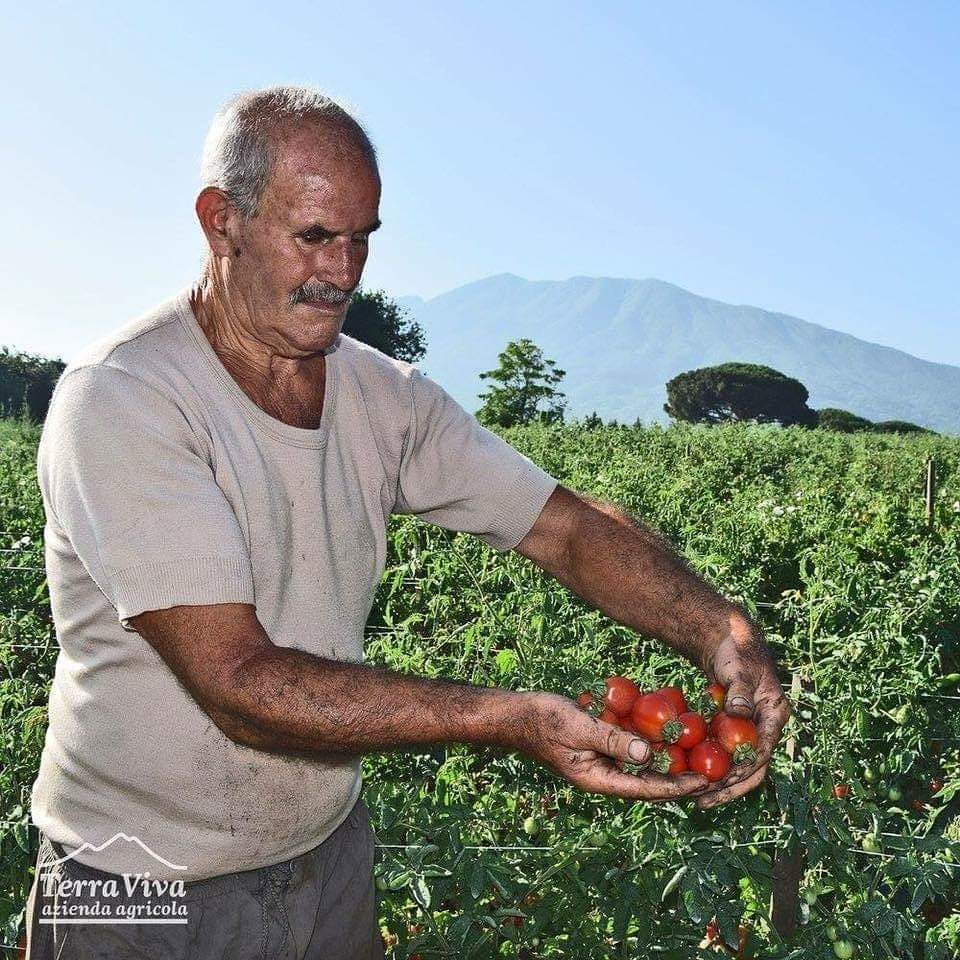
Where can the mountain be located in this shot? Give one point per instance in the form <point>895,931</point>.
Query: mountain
<point>620,340</point>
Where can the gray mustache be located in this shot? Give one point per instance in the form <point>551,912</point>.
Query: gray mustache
<point>328,293</point>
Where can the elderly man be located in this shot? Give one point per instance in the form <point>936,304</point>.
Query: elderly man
<point>217,477</point>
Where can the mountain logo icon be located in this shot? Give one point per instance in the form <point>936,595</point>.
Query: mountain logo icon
<point>97,848</point>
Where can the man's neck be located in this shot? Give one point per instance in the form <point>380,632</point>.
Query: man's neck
<point>291,389</point>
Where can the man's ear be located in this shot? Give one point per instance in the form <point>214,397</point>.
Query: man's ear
<point>219,219</point>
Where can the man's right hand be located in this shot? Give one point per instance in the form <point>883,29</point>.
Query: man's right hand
<point>585,750</point>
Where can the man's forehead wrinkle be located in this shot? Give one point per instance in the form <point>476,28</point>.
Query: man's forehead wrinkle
<point>314,183</point>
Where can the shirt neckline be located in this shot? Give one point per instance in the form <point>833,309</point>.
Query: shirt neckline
<point>285,432</point>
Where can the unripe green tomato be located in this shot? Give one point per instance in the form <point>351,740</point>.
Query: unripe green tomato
<point>531,826</point>
<point>902,714</point>
<point>810,895</point>
<point>844,949</point>
<point>870,774</point>
<point>948,855</point>
<point>894,794</point>
<point>832,933</point>
<point>871,843</point>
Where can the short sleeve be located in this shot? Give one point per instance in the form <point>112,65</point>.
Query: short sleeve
<point>459,475</point>
<point>125,478</point>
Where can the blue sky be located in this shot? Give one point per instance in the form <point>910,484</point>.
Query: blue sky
<point>799,157</point>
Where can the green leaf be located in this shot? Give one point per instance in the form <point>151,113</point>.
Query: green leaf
<point>477,881</point>
<point>506,661</point>
<point>673,882</point>
<point>421,892</point>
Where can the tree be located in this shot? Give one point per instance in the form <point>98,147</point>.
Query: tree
<point>26,383</point>
<point>523,381</point>
<point>899,426</point>
<point>592,422</point>
<point>842,421</point>
<point>831,418</point>
<point>375,319</point>
<point>738,391</point>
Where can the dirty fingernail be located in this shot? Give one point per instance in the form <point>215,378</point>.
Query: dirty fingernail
<point>639,750</point>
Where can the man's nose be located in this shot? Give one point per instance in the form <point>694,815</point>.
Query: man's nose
<point>343,263</point>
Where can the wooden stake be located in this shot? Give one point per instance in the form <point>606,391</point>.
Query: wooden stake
<point>931,491</point>
<point>787,867</point>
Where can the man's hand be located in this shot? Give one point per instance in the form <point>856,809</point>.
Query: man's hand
<point>584,750</point>
<point>742,663</point>
<point>631,574</point>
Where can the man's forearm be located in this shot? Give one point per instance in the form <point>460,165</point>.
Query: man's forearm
<point>633,576</point>
<point>286,699</point>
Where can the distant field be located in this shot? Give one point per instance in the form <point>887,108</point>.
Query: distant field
<point>823,536</point>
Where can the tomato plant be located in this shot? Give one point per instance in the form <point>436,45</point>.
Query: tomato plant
<point>823,536</point>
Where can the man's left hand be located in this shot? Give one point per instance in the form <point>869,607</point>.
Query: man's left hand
<point>743,664</point>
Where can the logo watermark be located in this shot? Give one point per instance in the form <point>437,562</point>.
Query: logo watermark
<point>124,898</point>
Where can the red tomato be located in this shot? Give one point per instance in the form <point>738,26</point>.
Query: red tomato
<point>654,718</point>
<point>841,791</point>
<point>608,716</point>
<point>620,696</point>
<point>935,785</point>
<point>694,729</point>
<point>710,759</point>
<point>737,735</point>
<point>712,699</point>
<point>668,758</point>
<point>675,696</point>
<point>585,700</point>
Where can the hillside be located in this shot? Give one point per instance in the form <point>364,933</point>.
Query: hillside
<point>620,340</point>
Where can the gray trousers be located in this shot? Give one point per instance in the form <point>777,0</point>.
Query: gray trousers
<point>318,906</point>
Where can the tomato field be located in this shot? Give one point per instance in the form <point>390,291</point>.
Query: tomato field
<point>823,536</point>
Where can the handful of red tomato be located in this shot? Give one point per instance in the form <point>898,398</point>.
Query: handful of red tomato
<point>705,740</point>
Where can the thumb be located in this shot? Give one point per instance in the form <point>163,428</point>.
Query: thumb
<point>623,745</point>
<point>739,697</point>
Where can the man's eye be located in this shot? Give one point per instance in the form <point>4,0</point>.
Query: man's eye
<point>361,238</point>
<point>316,237</point>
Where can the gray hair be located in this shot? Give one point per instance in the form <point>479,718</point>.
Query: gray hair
<point>239,151</point>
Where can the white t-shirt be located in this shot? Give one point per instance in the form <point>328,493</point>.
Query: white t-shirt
<point>165,484</point>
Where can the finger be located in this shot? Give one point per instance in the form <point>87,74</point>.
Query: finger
<point>739,700</point>
<point>656,788</point>
<point>644,786</point>
<point>731,792</point>
<point>772,716</point>
<point>622,745</point>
